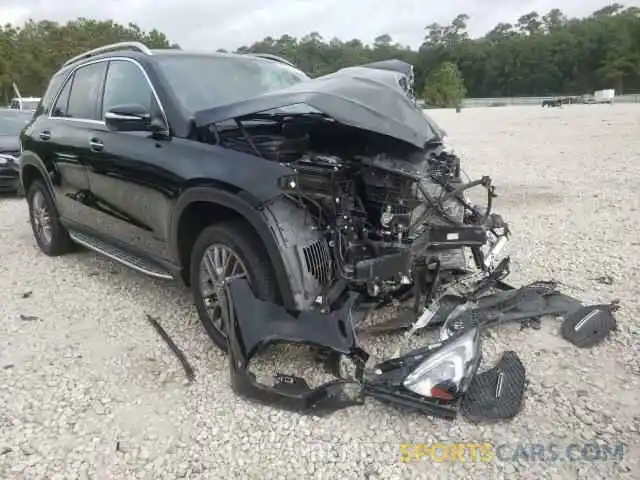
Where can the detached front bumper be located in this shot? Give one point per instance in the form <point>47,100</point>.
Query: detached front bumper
<point>440,379</point>
<point>434,379</point>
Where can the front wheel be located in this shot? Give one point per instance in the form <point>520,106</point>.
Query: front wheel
<point>223,252</point>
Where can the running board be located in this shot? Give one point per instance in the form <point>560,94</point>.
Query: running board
<point>119,255</point>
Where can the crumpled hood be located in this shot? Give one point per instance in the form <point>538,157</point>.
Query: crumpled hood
<point>366,98</point>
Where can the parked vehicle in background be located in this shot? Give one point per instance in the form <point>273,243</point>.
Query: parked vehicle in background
<point>24,103</point>
<point>552,102</point>
<point>604,96</point>
<point>11,123</point>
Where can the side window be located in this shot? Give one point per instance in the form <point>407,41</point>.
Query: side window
<point>85,91</point>
<point>52,89</point>
<point>126,84</point>
<point>60,108</point>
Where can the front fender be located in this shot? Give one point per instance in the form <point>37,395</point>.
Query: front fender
<point>237,203</point>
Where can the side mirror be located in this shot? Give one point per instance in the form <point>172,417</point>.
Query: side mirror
<point>128,118</point>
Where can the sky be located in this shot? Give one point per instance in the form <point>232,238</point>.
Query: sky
<point>229,24</point>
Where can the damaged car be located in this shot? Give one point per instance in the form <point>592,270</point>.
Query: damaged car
<point>292,207</point>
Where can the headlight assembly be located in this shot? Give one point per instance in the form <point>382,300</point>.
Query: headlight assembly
<point>447,373</point>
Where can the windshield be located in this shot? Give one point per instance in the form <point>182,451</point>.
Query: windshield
<point>11,124</point>
<point>206,81</point>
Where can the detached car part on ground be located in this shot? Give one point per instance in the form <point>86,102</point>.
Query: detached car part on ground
<point>416,246</point>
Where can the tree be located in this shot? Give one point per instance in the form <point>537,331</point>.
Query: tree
<point>383,40</point>
<point>445,86</point>
<point>530,23</point>
<point>31,53</point>
<point>531,55</point>
<point>553,20</point>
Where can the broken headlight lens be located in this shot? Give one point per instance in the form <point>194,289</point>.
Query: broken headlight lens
<point>447,373</point>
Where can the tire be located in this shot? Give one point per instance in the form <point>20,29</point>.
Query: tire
<point>242,241</point>
<point>57,242</point>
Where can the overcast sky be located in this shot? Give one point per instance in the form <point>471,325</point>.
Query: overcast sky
<point>213,24</point>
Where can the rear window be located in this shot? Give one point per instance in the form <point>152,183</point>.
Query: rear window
<point>52,89</point>
<point>85,91</point>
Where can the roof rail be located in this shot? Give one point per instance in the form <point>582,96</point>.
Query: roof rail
<point>275,58</point>
<point>135,46</point>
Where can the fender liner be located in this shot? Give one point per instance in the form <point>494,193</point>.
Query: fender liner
<point>248,210</point>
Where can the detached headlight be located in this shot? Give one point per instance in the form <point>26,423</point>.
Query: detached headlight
<point>447,373</point>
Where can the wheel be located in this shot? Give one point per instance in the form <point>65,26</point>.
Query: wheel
<point>222,252</point>
<point>52,238</point>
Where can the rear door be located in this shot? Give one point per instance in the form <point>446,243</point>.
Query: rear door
<point>73,117</point>
<point>58,136</point>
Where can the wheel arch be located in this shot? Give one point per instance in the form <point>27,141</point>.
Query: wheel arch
<point>223,204</point>
<point>32,169</point>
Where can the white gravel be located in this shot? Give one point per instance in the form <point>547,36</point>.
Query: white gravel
<point>91,375</point>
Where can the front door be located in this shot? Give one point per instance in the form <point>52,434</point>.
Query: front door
<point>132,189</point>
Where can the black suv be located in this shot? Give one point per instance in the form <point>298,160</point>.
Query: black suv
<point>206,167</point>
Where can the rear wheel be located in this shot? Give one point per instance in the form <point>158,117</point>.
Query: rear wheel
<point>52,238</point>
<point>223,252</point>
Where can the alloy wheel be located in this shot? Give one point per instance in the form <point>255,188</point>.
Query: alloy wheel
<point>41,218</point>
<point>219,265</point>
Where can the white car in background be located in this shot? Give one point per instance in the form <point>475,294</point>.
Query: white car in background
<point>24,103</point>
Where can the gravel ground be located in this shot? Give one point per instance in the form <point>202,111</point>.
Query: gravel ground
<point>90,391</point>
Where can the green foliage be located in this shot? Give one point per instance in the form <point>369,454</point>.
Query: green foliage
<point>536,55</point>
<point>444,87</point>
<point>30,54</point>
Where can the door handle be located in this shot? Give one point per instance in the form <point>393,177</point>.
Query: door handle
<point>96,145</point>
<point>45,135</point>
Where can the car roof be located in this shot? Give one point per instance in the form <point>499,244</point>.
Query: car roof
<point>174,52</point>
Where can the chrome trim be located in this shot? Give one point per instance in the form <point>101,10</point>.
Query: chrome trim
<point>83,120</point>
<point>101,122</point>
<point>124,262</point>
<point>9,158</point>
<point>137,46</point>
<point>66,156</point>
<point>118,116</point>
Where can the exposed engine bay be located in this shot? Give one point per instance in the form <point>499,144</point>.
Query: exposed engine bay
<point>363,218</point>
<point>370,211</point>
